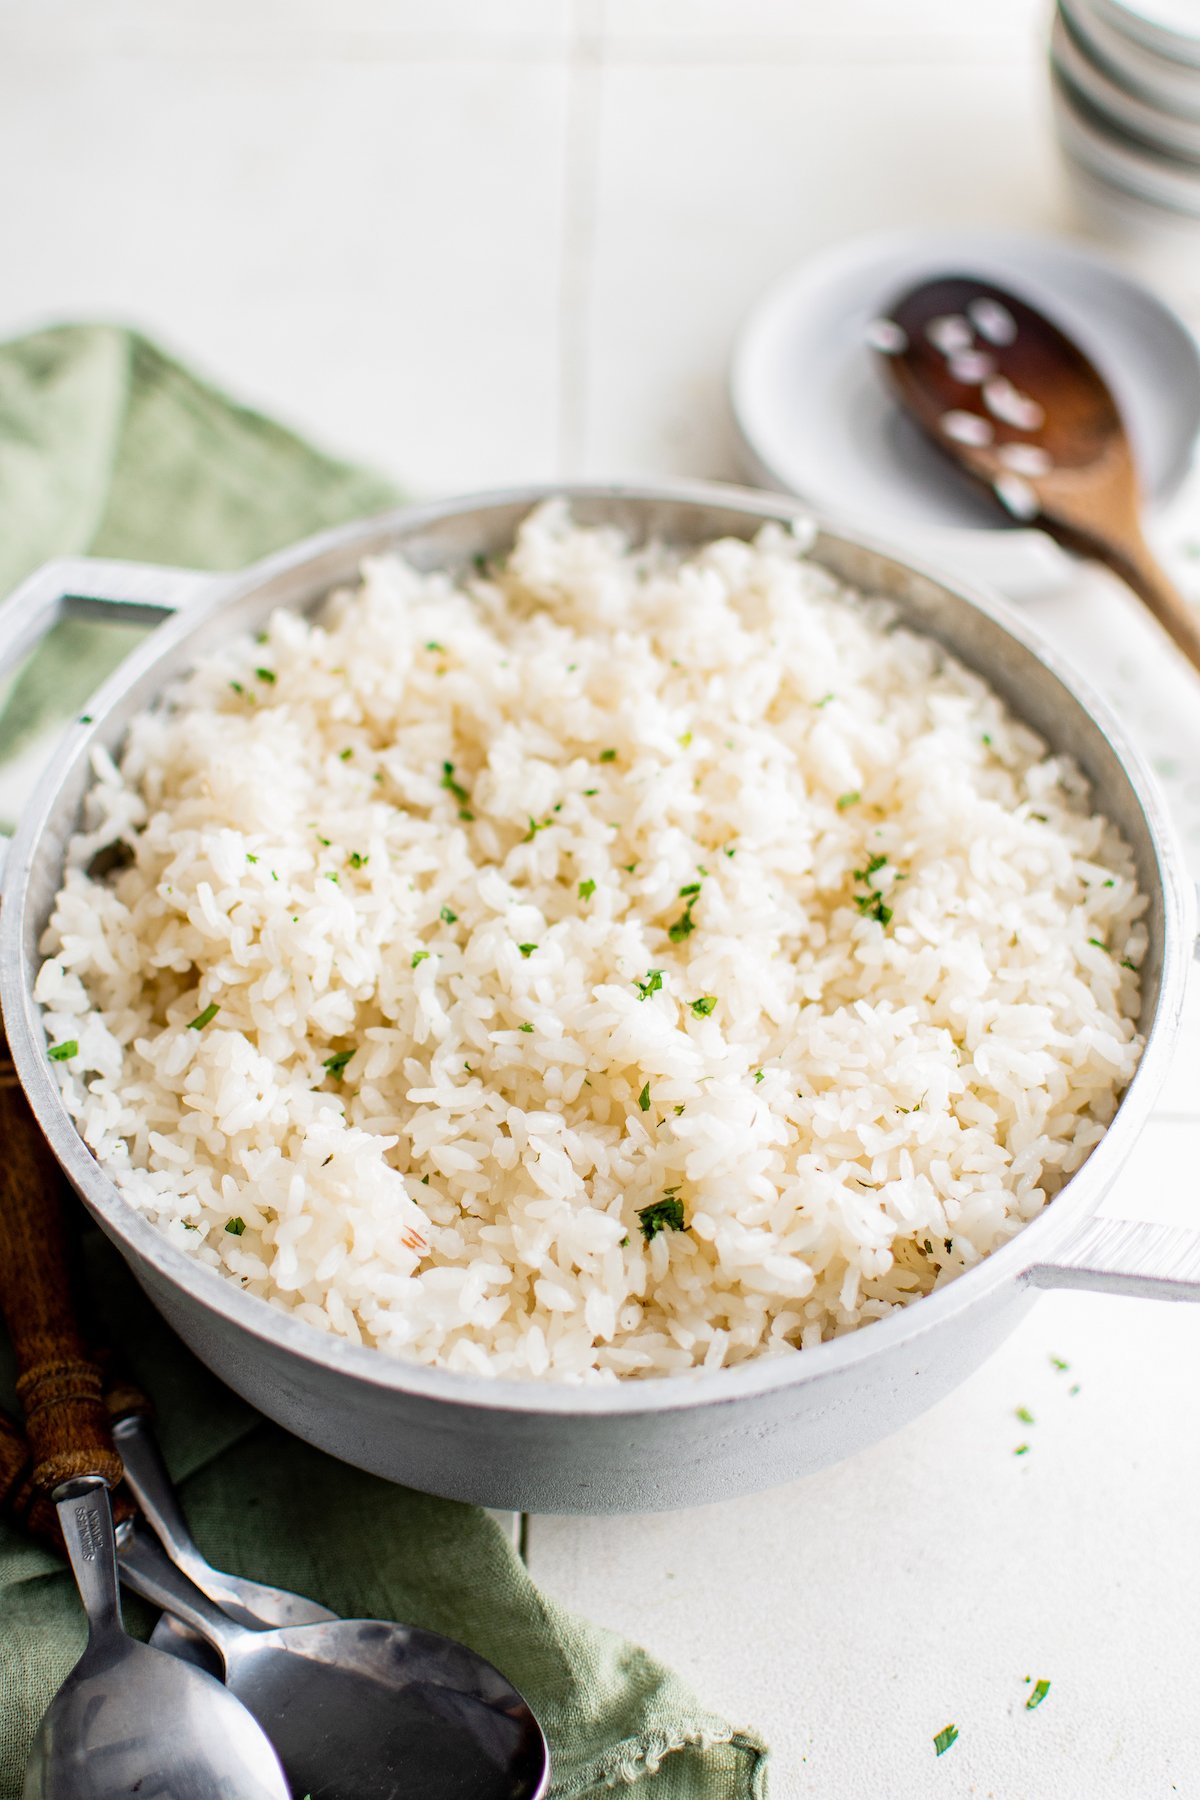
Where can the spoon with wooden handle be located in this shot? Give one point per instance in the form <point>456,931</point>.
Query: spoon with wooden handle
<point>1015,403</point>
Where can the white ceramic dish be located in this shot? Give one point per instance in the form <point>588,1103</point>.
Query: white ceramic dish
<point>1155,180</point>
<point>1164,81</point>
<point>1130,115</point>
<point>814,418</point>
<point>1171,28</point>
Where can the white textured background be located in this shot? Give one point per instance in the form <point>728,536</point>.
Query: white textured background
<point>475,242</point>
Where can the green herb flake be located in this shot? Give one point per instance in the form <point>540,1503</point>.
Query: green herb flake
<point>1100,945</point>
<point>267,675</point>
<point>608,756</point>
<point>624,1241</point>
<point>629,867</point>
<point>661,1215</point>
<point>336,1064</point>
<point>346,754</point>
<point>235,1227</point>
<point>588,793</point>
<point>250,858</point>
<point>438,649</point>
<point>679,1110</point>
<point>693,887</point>
<point>1073,1389</point>
<point>237,687</point>
<point>644,1098</point>
<point>730,851</point>
<point>651,985</point>
<point>419,956</point>
<point>524,1027</point>
<point>987,739</point>
<point>331,875</point>
<point>204,1018</point>
<point>847,800</point>
<point>1023,1413</point>
<point>1110,882</point>
<point>704,1006</point>
<point>454,787</point>
<point>1041,1689</point>
<point>1021,1450</point>
<point>65,1051</point>
<point>358,860</point>
<point>447,917</point>
<point>534,828</point>
<point>1126,964</point>
<point>825,701</point>
<point>1057,1362</point>
<point>684,924</point>
<point>324,840</point>
<point>527,950</point>
<point>944,1738</point>
<point>759,1075</point>
<point>685,738</point>
<point>586,889</point>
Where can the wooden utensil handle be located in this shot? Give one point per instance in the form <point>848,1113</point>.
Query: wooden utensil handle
<point>1140,569</point>
<point>58,1384</point>
<point>20,1499</point>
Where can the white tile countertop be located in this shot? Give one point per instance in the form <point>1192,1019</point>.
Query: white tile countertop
<point>478,242</point>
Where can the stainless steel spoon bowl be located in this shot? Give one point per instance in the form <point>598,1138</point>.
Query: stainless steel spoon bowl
<point>129,1720</point>
<point>360,1709</point>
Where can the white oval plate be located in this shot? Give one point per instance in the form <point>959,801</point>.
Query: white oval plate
<point>815,418</point>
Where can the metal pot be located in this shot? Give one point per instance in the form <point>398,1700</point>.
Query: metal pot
<point>642,1444</point>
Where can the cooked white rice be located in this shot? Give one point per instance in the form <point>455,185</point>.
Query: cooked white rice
<point>446,837</point>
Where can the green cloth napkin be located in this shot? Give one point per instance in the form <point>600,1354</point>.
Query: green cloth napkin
<point>108,446</point>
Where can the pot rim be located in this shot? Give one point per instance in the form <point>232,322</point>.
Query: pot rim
<point>266,1322</point>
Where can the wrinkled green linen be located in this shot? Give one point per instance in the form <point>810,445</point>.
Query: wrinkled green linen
<point>108,446</point>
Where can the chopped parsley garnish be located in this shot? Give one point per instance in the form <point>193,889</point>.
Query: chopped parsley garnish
<point>872,904</point>
<point>644,1098</point>
<point>623,1242</point>
<point>85,718</point>
<point>651,985</point>
<point>730,851</point>
<point>987,739</point>
<point>850,799</point>
<point>704,1006</point>
<point>758,1075</point>
<point>685,738</point>
<point>434,645</point>
<point>527,950</point>
<point>419,956</point>
<point>237,687</point>
<point>586,889</point>
<point>1126,964</point>
<point>534,828</point>
<point>1024,1414</point>
<point>357,860</point>
<point>447,917</point>
<point>685,924</point>
<point>825,701</point>
<point>1041,1689</point>
<point>1021,1450</point>
<point>1110,882</point>
<point>331,875</point>
<point>1100,945</point>
<point>524,1027</point>
<point>324,840</point>
<point>250,858</point>
<point>454,787</point>
<point>608,756</point>
<point>235,1227</point>
<point>346,754</point>
<point>266,675</point>
<point>679,1110</point>
<point>65,1051</point>
<point>944,1738</point>
<point>589,792</point>
<point>661,1215</point>
<point>693,887</point>
<point>337,1063</point>
<point>1059,1364</point>
<point>629,867</point>
<point>204,1018</point>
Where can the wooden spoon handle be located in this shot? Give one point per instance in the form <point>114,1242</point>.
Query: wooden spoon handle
<point>20,1498</point>
<point>1132,559</point>
<point>57,1383</point>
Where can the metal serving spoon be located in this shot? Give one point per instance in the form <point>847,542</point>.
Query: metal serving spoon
<point>129,1720</point>
<point>1013,401</point>
<point>359,1709</point>
<point>249,1602</point>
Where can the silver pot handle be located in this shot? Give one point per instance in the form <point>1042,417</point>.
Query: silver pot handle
<point>1126,1256</point>
<point>83,586</point>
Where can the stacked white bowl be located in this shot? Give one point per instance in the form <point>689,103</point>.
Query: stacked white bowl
<point>1126,89</point>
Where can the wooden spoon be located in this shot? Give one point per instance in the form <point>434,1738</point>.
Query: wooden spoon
<point>1010,399</point>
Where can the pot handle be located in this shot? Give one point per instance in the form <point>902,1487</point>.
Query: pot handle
<point>1125,1256</point>
<point>142,593</point>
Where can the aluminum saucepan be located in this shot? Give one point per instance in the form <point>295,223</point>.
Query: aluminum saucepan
<point>657,1443</point>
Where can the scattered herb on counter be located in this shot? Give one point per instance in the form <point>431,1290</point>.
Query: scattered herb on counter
<point>944,1738</point>
<point>608,756</point>
<point>662,1215</point>
<point>586,889</point>
<point>1041,1689</point>
<point>447,917</point>
<point>204,1018</point>
<point>337,1063</point>
<point>419,956</point>
<point>1021,1450</point>
<point>644,1098</point>
<point>527,950</point>
<point>1058,1363</point>
<point>651,985</point>
<point>848,800</point>
<point>704,1006</point>
<point>65,1051</point>
<point>1023,1413</point>
<point>268,675</point>
<point>1074,1388</point>
<point>235,1227</point>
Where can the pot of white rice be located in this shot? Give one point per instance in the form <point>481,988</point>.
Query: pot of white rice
<point>592,1000</point>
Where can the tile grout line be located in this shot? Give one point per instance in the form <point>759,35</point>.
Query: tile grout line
<point>578,236</point>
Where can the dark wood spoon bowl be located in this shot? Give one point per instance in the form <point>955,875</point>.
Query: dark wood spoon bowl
<point>1015,403</point>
